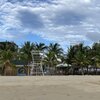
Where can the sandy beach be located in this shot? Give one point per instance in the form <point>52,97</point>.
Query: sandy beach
<point>50,88</point>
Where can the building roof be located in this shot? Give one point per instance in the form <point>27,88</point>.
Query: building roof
<point>19,62</point>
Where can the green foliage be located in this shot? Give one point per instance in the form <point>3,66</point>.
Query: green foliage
<point>25,51</point>
<point>78,55</point>
<point>11,46</point>
<point>40,46</point>
<point>81,55</point>
<point>54,52</point>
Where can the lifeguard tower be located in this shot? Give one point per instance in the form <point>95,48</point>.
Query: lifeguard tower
<point>37,63</point>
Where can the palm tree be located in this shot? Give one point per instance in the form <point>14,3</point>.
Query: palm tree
<point>8,51</point>
<point>53,53</point>
<point>70,55</point>
<point>40,47</point>
<point>8,46</point>
<point>96,56</point>
<point>25,53</point>
<point>78,56</point>
<point>56,50</point>
<point>50,59</point>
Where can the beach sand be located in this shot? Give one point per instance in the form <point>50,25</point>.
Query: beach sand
<point>50,88</point>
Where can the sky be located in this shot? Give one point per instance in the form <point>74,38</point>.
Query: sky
<point>63,21</point>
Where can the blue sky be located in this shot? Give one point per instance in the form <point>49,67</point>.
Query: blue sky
<point>63,21</point>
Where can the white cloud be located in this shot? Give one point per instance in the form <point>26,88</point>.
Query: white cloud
<point>63,21</point>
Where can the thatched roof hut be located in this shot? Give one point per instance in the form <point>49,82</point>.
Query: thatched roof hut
<point>8,69</point>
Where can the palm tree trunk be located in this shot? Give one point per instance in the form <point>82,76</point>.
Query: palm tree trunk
<point>82,70</point>
<point>28,73</point>
<point>87,70</point>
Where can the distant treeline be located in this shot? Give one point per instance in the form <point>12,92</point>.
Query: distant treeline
<point>79,56</point>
